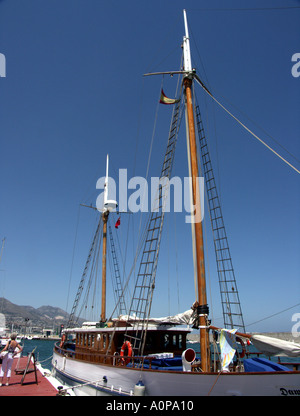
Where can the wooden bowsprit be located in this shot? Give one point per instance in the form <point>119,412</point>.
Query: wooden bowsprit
<point>28,370</point>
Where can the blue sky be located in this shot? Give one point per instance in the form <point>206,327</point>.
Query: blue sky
<point>74,91</point>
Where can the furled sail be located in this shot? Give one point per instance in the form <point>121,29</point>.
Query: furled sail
<point>274,346</point>
<point>179,319</point>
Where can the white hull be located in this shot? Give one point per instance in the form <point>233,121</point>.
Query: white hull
<point>122,380</point>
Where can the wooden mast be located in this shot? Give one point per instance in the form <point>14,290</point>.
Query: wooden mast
<point>200,266</point>
<point>103,298</point>
<point>109,205</point>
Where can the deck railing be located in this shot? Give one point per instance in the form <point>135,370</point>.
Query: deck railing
<point>104,358</point>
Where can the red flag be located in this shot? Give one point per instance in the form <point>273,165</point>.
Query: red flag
<point>117,223</point>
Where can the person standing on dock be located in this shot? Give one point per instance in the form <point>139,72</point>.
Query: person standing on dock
<point>10,349</point>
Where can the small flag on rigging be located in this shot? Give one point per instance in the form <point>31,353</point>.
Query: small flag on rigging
<point>165,100</point>
<point>118,223</point>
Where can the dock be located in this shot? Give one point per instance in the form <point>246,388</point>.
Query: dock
<point>34,383</point>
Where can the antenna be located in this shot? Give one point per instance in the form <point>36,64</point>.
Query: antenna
<point>109,205</point>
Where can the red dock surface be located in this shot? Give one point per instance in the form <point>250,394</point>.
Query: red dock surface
<point>29,387</point>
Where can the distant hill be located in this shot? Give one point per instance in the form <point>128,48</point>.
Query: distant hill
<point>44,316</point>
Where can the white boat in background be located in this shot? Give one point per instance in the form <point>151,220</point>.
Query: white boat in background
<point>4,340</point>
<point>134,354</point>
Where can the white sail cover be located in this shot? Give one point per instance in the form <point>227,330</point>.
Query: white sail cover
<point>274,346</point>
<point>179,319</point>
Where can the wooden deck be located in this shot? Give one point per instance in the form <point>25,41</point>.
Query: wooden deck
<point>29,387</point>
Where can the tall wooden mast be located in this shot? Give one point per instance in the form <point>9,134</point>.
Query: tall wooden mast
<point>200,266</point>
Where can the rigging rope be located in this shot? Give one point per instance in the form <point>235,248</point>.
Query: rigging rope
<point>73,255</point>
<point>271,316</point>
<point>231,9</point>
<point>246,128</point>
<point>176,264</point>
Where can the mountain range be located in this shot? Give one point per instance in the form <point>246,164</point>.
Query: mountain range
<point>44,316</point>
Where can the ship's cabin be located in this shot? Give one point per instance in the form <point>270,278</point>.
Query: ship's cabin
<point>106,345</point>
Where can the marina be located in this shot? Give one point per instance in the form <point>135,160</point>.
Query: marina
<point>125,336</point>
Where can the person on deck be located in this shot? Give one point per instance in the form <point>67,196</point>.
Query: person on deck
<point>7,360</point>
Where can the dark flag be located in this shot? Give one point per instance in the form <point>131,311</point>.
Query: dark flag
<point>165,100</point>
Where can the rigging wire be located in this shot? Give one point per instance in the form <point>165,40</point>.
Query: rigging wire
<point>246,9</point>
<point>169,35</point>
<point>142,239</point>
<point>264,131</point>
<point>207,269</point>
<point>111,268</point>
<point>93,274</point>
<point>214,128</point>
<point>191,207</point>
<point>245,115</point>
<point>275,314</point>
<point>73,255</point>
<point>246,128</point>
<point>176,263</point>
<point>168,264</point>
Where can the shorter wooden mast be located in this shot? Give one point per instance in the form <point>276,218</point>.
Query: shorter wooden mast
<point>104,243</point>
<point>200,266</point>
<point>109,205</point>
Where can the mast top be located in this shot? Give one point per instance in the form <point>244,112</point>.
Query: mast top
<point>109,204</point>
<point>186,47</point>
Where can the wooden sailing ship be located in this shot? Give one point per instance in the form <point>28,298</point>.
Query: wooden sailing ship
<point>134,354</point>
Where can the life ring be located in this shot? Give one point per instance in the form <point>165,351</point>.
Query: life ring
<point>63,338</point>
<point>241,354</point>
<point>129,352</point>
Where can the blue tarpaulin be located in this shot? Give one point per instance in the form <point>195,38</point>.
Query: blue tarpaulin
<point>262,364</point>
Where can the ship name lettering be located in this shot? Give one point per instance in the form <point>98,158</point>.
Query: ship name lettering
<point>288,392</point>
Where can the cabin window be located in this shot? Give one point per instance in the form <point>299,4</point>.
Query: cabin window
<point>169,340</point>
<point>180,341</point>
<point>172,341</point>
<point>150,342</point>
